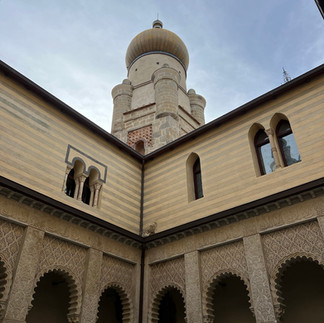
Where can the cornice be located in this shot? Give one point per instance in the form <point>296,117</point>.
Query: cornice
<point>31,198</point>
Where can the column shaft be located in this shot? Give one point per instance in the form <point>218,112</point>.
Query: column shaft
<point>260,288</point>
<point>23,282</point>
<point>193,289</point>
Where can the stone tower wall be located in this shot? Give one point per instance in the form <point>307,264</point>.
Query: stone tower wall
<point>166,82</point>
<point>197,104</point>
<point>122,96</point>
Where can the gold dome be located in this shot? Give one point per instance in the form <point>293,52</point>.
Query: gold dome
<point>157,40</point>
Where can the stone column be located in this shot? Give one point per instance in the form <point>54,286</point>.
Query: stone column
<point>67,171</point>
<point>260,288</point>
<point>23,282</point>
<point>91,287</point>
<point>81,180</point>
<point>97,188</point>
<point>193,289</point>
<point>274,150</point>
<point>320,220</point>
<point>147,300</point>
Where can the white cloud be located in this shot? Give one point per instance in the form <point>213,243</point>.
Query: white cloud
<point>76,49</point>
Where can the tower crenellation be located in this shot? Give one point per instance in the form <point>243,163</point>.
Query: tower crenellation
<point>152,107</point>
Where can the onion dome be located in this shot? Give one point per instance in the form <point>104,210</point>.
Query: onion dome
<point>157,40</point>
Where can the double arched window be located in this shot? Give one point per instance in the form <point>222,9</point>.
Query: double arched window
<point>275,149</point>
<point>82,185</point>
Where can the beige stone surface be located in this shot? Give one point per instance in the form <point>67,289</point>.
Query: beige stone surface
<point>20,297</point>
<point>260,289</point>
<point>193,288</point>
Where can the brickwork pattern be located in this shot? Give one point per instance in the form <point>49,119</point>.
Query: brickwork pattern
<point>138,134</point>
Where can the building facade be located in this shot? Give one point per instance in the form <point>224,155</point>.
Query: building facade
<point>217,222</point>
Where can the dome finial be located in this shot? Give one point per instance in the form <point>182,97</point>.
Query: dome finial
<point>157,24</point>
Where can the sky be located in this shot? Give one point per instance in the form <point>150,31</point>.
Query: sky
<point>75,49</point>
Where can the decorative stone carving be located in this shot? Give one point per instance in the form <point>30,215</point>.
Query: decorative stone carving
<point>229,257</point>
<point>193,287</point>
<point>218,262</point>
<point>91,287</point>
<point>149,230</point>
<point>261,294</point>
<point>58,254</point>
<point>69,260</point>
<point>167,273</point>
<point>163,276</point>
<point>303,240</point>
<point>11,238</point>
<point>154,310</point>
<point>23,282</point>
<point>119,275</point>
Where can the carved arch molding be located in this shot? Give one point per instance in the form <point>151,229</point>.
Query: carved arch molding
<point>220,262</point>
<point>283,248</point>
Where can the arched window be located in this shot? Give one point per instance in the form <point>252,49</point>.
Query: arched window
<point>197,179</point>
<point>264,153</point>
<point>86,193</point>
<point>70,184</point>
<point>140,147</point>
<point>194,178</point>
<point>287,143</point>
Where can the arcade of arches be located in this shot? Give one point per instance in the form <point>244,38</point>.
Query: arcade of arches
<point>291,260</point>
<point>301,286</point>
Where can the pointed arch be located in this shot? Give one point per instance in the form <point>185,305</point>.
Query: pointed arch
<point>285,140</point>
<point>71,185</point>
<point>194,177</point>
<point>75,291</point>
<point>260,150</point>
<point>127,308</point>
<point>155,307</point>
<point>208,294</point>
